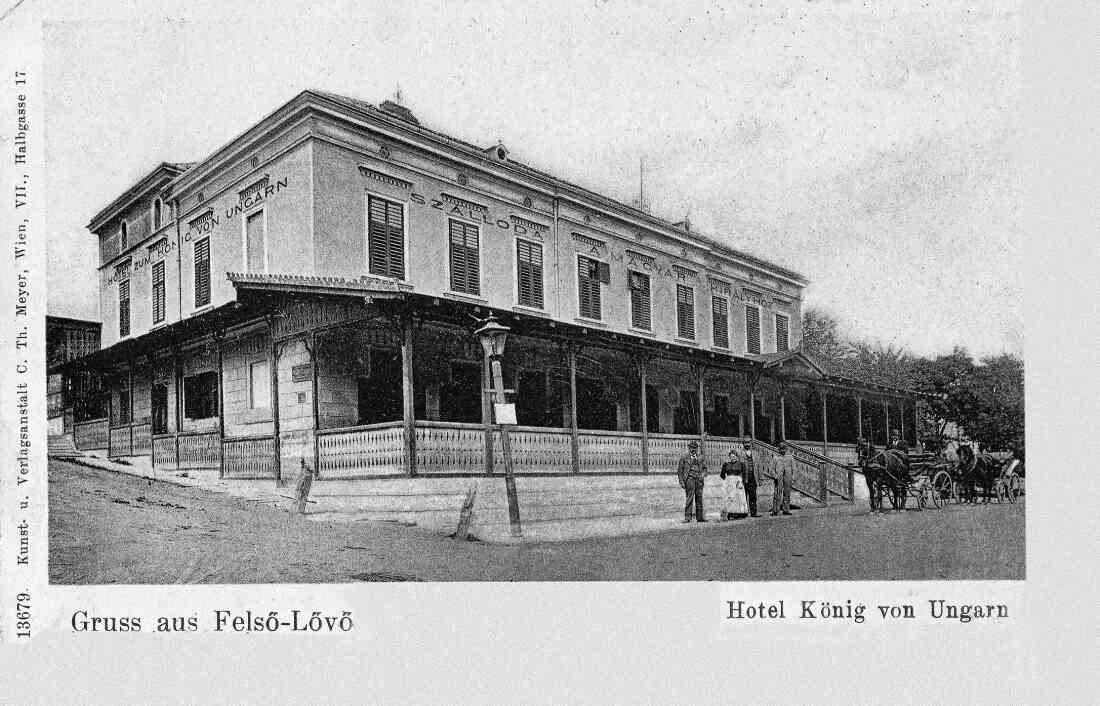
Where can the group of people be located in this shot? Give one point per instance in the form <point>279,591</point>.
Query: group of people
<point>739,483</point>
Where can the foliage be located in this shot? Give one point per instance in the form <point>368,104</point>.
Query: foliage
<point>984,400</point>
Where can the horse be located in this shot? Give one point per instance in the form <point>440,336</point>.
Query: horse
<point>976,469</point>
<point>886,471</point>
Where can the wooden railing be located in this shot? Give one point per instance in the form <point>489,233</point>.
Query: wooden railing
<point>142,440</point>
<point>608,452</point>
<point>120,442</point>
<point>164,450</point>
<point>199,449</point>
<point>844,454</point>
<point>807,478</point>
<point>91,435</point>
<point>716,450</point>
<point>249,456</point>
<point>449,447</point>
<point>839,477</point>
<point>372,450</point>
<point>665,451</point>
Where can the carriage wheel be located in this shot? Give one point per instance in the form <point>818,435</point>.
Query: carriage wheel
<point>1013,487</point>
<point>942,488</point>
<point>1001,490</point>
<point>937,496</point>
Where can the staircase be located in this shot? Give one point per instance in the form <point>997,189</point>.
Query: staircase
<point>61,446</point>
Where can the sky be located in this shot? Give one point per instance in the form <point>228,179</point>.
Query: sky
<point>873,151</point>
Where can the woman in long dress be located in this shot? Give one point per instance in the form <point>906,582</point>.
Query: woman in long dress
<point>736,504</point>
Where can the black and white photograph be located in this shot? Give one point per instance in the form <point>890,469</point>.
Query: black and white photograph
<point>324,334</point>
<point>607,298</point>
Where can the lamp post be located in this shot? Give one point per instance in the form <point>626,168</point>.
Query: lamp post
<point>492,335</point>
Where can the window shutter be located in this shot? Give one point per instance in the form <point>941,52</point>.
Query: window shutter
<point>124,308</point>
<point>720,314</point>
<point>685,311</point>
<point>202,272</point>
<point>529,258</point>
<point>603,272</point>
<point>752,329</point>
<point>158,292</point>
<point>589,287</point>
<point>640,305</point>
<point>782,340</point>
<point>465,265</point>
<point>385,238</point>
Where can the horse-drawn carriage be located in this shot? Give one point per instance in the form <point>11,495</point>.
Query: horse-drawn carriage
<point>898,475</point>
<point>930,479</point>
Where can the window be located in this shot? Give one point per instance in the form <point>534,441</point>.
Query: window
<point>200,395</point>
<point>529,273</point>
<point>590,273</point>
<point>460,399</point>
<point>685,417</point>
<point>685,311</point>
<point>202,272</point>
<point>465,265</point>
<point>122,236</point>
<point>124,308</point>
<point>255,243</point>
<point>259,385</point>
<point>158,292</point>
<point>157,207</point>
<point>385,238</point>
<point>641,315</point>
<point>719,310</point>
<point>782,339</point>
<point>752,329</point>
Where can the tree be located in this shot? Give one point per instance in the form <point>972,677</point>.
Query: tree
<point>997,389</point>
<point>821,336</point>
<point>946,378</point>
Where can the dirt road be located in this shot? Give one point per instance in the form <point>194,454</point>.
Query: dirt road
<point>112,528</point>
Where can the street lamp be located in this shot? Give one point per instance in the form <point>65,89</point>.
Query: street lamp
<point>493,335</point>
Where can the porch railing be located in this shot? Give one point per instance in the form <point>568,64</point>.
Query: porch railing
<point>199,449</point>
<point>142,440</point>
<point>838,477</point>
<point>373,450</point>
<point>164,450</point>
<point>249,456</point>
<point>91,435</point>
<point>120,441</point>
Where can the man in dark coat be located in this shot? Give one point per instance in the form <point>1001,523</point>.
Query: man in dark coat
<point>691,472</point>
<point>750,477</point>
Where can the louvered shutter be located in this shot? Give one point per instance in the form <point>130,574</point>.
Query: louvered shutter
<point>719,310</point>
<point>202,272</point>
<point>124,308</point>
<point>640,307</point>
<point>158,292</point>
<point>685,311</point>
<point>385,238</point>
<point>465,264</point>
<point>752,329</point>
<point>589,287</point>
<point>782,341</point>
<point>529,257</point>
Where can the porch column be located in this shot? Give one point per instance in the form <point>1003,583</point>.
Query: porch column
<point>824,421</point>
<point>901,422</point>
<point>859,416</point>
<point>886,414</point>
<point>783,413</point>
<point>700,373</point>
<point>221,405</point>
<point>314,358</point>
<point>130,404</point>
<point>752,409</point>
<point>574,442</point>
<point>916,421</point>
<point>110,411</point>
<point>643,364</point>
<point>408,406</point>
<point>277,444</point>
<point>177,374</point>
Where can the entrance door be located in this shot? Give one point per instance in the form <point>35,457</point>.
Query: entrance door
<point>159,408</point>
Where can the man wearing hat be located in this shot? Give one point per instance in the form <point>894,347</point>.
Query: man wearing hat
<point>691,472</point>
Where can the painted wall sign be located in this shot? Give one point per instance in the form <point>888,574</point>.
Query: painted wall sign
<point>454,206</point>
